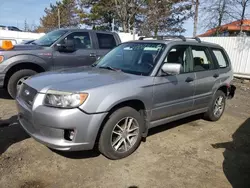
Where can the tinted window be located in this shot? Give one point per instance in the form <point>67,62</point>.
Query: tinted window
<point>81,40</point>
<point>134,58</point>
<point>106,41</point>
<point>220,58</point>
<point>201,59</point>
<point>180,55</point>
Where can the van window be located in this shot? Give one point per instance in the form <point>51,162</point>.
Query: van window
<point>220,58</point>
<point>106,41</point>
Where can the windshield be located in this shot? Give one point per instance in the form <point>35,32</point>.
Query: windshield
<point>133,57</point>
<point>49,38</point>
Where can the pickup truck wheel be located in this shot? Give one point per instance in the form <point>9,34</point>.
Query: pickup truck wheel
<point>121,134</point>
<point>17,79</point>
<point>217,107</point>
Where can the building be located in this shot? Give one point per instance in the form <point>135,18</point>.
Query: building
<point>231,29</point>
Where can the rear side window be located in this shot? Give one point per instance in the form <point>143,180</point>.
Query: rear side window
<point>201,59</point>
<point>106,41</point>
<point>223,63</point>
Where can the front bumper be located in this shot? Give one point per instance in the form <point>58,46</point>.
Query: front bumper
<point>2,76</point>
<point>47,125</point>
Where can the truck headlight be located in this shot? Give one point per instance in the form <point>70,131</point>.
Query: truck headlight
<point>62,99</point>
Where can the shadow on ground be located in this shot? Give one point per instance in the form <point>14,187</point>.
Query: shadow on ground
<point>10,133</point>
<point>236,164</point>
<point>4,94</point>
<point>191,120</point>
<point>78,154</point>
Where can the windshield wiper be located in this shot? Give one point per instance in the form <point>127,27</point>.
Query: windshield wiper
<point>109,68</point>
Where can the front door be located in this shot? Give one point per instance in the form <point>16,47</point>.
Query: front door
<point>84,53</point>
<point>173,94</point>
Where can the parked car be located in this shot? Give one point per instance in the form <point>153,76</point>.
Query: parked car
<point>137,86</point>
<point>58,49</point>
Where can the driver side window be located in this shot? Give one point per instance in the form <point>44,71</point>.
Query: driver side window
<point>81,40</point>
<point>180,55</point>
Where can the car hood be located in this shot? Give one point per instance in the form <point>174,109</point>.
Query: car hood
<point>24,47</point>
<point>78,79</point>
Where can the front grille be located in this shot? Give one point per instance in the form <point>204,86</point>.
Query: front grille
<point>27,94</point>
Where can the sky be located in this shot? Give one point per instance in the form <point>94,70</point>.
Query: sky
<point>14,12</point>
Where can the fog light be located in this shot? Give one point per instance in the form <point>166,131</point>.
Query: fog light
<point>69,134</point>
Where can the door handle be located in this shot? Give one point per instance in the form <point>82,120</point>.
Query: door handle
<point>189,79</point>
<point>216,75</point>
<point>92,55</point>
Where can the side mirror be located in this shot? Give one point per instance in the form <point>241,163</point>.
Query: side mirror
<point>69,46</point>
<point>171,68</point>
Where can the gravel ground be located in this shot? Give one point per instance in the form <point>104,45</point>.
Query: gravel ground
<point>187,153</point>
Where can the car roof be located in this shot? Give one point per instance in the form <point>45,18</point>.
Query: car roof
<point>179,42</point>
<point>84,30</point>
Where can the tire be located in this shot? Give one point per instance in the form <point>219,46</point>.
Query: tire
<point>210,114</point>
<point>108,138</point>
<point>13,80</point>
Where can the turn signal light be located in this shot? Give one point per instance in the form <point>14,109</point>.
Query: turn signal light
<point>7,45</point>
<point>1,58</point>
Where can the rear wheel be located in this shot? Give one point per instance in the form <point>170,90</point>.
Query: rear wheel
<point>17,79</point>
<point>217,107</point>
<point>121,134</point>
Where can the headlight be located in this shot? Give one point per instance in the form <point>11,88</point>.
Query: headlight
<point>64,99</point>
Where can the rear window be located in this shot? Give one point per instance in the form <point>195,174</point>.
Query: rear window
<point>106,41</point>
<point>220,56</point>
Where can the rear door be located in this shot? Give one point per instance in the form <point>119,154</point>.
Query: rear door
<point>84,53</point>
<point>207,76</point>
<point>105,43</point>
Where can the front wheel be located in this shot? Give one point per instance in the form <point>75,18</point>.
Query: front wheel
<point>121,134</point>
<point>217,107</point>
<point>17,79</point>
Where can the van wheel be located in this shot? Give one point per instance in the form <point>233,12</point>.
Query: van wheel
<point>122,133</point>
<point>17,79</point>
<point>217,107</point>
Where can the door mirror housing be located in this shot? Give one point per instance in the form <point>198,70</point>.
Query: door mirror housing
<point>68,46</point>
<point>171,68</point>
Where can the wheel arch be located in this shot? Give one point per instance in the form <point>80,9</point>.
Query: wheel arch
<point>136,104</point>
<point>20,66</point>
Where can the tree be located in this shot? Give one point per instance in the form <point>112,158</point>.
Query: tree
<point>100,14</point>
<point>62,14</point>
<point>196,14</point>
<point>164,16</point>
<point>241,6</point>
<point>216,13</point>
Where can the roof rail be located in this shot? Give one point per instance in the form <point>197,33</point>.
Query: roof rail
<point>162,37</point>
<point>195,38</point>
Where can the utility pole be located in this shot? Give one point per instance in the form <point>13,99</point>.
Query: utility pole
<point>59,20</point>
<point>196,16</point>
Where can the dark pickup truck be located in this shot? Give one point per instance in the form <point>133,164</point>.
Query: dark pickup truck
<point>58,49</point>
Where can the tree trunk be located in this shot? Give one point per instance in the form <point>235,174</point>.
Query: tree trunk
<point>196,17</point>
<point>221,15</point>
<point>243,14</point>
<point>124,27</point>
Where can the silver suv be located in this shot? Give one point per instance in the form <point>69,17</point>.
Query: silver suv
<point>136,86</point>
